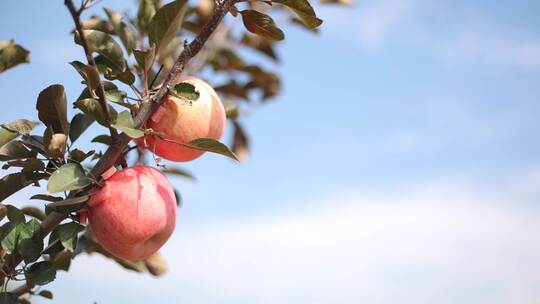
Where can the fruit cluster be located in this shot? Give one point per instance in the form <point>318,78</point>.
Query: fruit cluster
<point>134,213</point>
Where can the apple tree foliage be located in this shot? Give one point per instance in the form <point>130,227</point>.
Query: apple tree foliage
<point>129,58</point>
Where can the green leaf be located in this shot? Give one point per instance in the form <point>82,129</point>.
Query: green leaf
<point>3,211</point>
<point>102,139</point>
<point>9,241</point>
<point>303,10</point>
<point>79,123</point>
<point>14,182</point>
<point>261,24</point>
<point>46,294</point>
<point>68,234</point>
<point>145,59</point>
<point>33,212</point>
<point>68,177</point>
<point>40,273</point>
<point>28,247</point>
<point>70,204</point>
<point>166,23</point>
<point>12,54</point>
<point>211,145</point>
<point>45,197</point>
<point>116,96</point>
<point>6,136</point>
<point>92,77</point>
<point>8,298</point>
<point>185,90</point>
<point>20,126</point>
<point>103,44</point>
<point>80,68</point>
<point>112,92</point>
<point>52,108</point>
<point>121,29</point>
<point>79,155</point>
<point>92,108</point>
<point>125,123</point>
<point>146,10</point>
<point>178,171</point>
<point>14,214</point>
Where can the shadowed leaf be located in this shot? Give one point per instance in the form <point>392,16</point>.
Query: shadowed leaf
<point>303,10</point>
<point>69,205</point>
<point>211,145</point>
<point>261,24</point>
<point>40,273</point>
<point>14,182</point>
<point>52,108</point>
<point>79,123</point>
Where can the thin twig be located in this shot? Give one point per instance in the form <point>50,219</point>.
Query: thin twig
<point>76,15</point>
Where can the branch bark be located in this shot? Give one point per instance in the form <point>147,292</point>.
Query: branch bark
<point>76,16</point>
<point>148,107</point>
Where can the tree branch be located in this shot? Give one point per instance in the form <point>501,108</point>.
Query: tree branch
<point>76,15</point>
<point>114,151</point>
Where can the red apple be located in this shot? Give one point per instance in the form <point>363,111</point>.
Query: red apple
<point>134,213</point>
<point>182,121</point>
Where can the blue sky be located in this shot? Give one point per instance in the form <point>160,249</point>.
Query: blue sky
<point>400,164</point>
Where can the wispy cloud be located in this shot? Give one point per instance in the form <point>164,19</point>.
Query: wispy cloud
<point>453,32</point>
<point>439,242</point>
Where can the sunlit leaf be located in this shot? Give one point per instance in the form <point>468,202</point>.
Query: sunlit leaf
<point>68,177</point>
<point>185,90</point>
<point>12,54</point>
<point>92,108</point>
<point>68,234</point>
<point>125,123</point>
<point>166,23</point>
<point>103,44</point>
<point>20,126</point>
<point>121,29</point>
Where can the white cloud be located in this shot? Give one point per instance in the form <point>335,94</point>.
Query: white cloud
<point>439,243</point>
<point>465,35</point>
